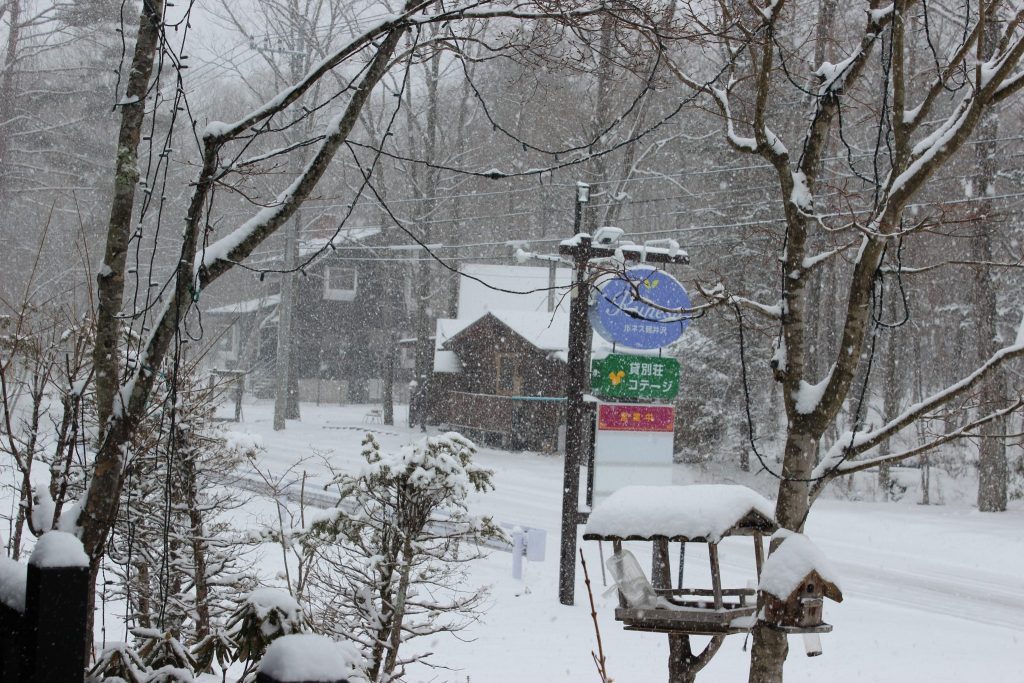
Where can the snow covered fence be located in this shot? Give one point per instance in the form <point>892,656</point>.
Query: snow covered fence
<point>43,613</point>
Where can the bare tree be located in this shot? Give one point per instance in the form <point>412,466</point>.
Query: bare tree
<point>201,257</point>
<point>927,116</point>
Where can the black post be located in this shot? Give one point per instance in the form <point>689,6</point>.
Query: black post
<point>264,678</point>
<point>11,626</point>
<point>56,600</point>
<point>574,429</point>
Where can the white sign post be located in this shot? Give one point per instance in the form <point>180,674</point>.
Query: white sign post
<point>633,444</point>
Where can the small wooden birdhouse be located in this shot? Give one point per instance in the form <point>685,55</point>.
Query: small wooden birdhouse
<point>796,579</point>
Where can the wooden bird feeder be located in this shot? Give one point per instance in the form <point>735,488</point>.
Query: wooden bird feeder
<point>684,514</point>
<point>796,579</point>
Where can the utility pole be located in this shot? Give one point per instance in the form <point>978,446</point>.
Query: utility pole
<point>579,353</point>
<point>286,399</point>
<point>582,249</point>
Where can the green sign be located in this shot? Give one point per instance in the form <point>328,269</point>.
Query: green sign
<point>622,376</point>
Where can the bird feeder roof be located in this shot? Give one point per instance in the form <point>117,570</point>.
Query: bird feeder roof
<point>703,513</point>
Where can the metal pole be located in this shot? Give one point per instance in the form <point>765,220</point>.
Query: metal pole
<point>574,432</point>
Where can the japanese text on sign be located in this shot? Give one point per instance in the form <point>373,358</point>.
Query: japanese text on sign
<point>635,418</point>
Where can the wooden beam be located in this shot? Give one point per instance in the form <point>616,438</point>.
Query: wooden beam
<point>716,574</point>
<point>661,567</point>
<point>758,554</point>
<point>631,252</point>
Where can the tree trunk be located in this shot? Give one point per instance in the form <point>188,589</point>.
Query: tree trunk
<point>890,399</point>
<point>197,539</point>
<point>679,656</point>
<point>767,654</point>
<point>398,614</point>
<point>389,377</point>
<point>770,647</point>
<point>8,95</point>
<point>993,471</point>
<point>110,278</point>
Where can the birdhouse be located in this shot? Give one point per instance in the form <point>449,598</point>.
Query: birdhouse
<point>795,581</point>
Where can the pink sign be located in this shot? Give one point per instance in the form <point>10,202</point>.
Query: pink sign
<point>621,417</point>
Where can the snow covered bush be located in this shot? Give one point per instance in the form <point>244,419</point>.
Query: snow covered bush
<point>263,616</point>
<point>389,563</point>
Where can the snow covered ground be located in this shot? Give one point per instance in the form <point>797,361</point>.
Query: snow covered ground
<point>933,594</point>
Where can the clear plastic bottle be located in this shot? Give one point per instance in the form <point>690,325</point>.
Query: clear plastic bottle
<point>631,580</point>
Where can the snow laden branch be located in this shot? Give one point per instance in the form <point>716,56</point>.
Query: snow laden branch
<point>195,271</point>
<point>719,296</point>
<point>838,461</point>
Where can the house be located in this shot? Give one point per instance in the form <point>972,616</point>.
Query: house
<point>351,307</point>
<point>500,367</point>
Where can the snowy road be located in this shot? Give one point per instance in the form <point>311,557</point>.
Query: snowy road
<point>932,594</point>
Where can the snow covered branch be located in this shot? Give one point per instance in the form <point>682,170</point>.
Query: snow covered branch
<point>851,466</point>
<point>850,445</point>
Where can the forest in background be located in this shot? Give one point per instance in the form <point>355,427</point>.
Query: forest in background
<point>474,132</point>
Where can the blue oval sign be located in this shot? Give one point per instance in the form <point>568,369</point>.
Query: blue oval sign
<point>622,318</point>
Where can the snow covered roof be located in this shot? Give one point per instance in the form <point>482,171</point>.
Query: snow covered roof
<point>247,306</point>
<point>348,237</point>
<point>525,314</point>
<point>546,331</point>
<point>444,360</point>
<point>477,299</point>
<point>699,512</point>
<point>789,564</point>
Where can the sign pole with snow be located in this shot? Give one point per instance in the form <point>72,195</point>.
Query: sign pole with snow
<point>582,248</point>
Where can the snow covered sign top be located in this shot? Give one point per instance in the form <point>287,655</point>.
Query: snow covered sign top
<point>638,309</point>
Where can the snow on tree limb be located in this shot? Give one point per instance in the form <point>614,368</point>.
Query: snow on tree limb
<point>850,445</point>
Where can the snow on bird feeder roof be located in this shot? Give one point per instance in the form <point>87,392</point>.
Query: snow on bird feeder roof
<point>306,657</point>
<point>59,549</point>
<point>699,512</point>
<point>791,562</point>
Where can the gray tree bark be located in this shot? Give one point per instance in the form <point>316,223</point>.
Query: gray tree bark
<point>993,470</point>
<point>110,278</point>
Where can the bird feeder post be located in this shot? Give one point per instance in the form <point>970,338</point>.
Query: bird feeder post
<point>661,567</point>
<point>716,574</point>
<point>758,553</point>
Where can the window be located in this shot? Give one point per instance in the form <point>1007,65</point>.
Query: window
<point>228,345</point>
<point>509,380</point>
<point>340,283</point>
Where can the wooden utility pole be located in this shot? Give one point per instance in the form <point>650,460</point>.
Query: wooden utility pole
<point>581,248</point>
<point>286,394</point>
